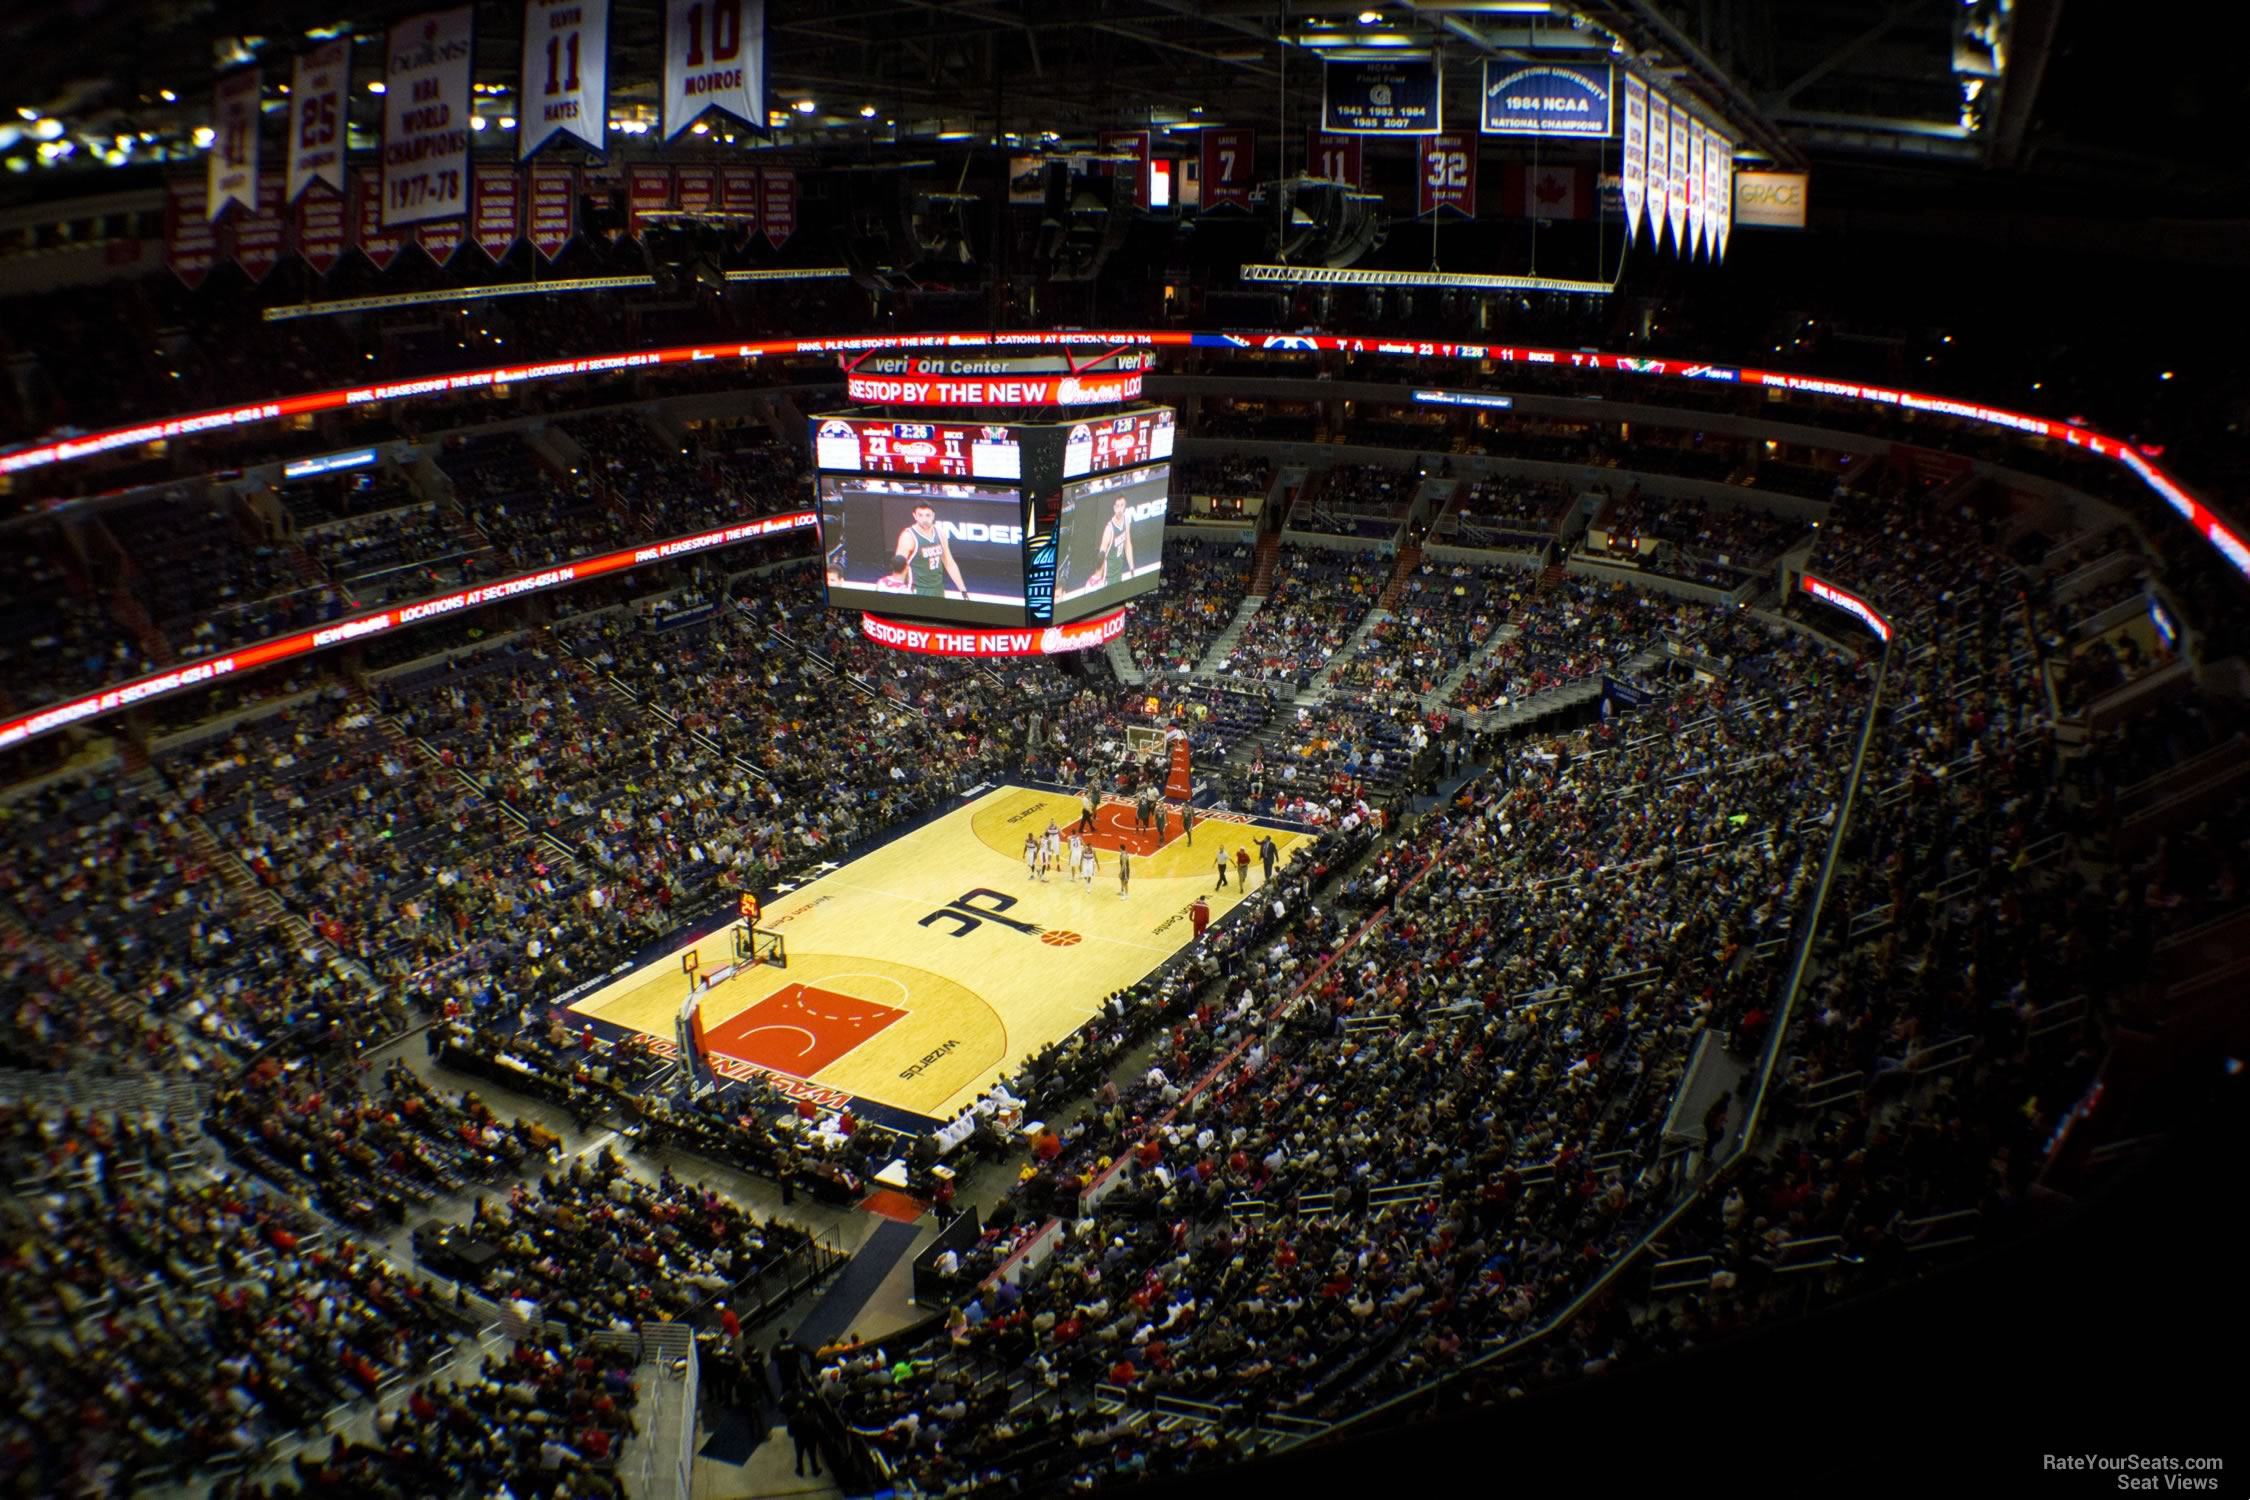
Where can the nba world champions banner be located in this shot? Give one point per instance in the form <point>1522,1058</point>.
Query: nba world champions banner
<point>426,118</point>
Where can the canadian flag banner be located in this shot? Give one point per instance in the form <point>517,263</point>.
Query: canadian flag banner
<point>1547,191</point>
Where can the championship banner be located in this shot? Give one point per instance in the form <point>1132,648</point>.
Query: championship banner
<point>1380,98</point>
<point>1725,200</point>
<point>714,58</point>
<point>441,239</point>
<point>1332,157</point>
<point>190,243</point>
<point>232,167</point>
<point>648,190</point>
<point>1448,175</point>
<point>1634,172</point>
<point>499,217</point>
<point>553,209</point>
<point>1715,161</point>
<point>320,228</point>
<point>1136,142</point>
<point>1230,164</point>
<point>317,93</point>
<point>1695,187</point>
<point>1547,192</point>
<point>777,205</point>
<point>738,199</point>
<point>1659,167</point>
<point>426,118</point>
<point>565,82</point>
<point>698,189</point>
<point>1548,99</point>
<point>379,243</point>
<point>257,236</point>
<point>1676,194</point>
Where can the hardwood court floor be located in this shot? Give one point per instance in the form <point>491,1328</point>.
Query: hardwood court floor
<point>923,970</point>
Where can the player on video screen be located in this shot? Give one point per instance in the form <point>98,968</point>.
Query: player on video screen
<point>923,552</point>
<point>1117,542</point>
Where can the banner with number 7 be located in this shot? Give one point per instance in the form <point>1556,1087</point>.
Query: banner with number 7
<point>1448,178</point>
<point>1229,170</point>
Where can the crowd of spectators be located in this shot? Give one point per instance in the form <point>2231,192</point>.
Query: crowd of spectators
<point>166,1317</point>
<point>1202,588</point>
<point>1565,633</point>
<point>1445,614</point>
<point>1317,600</point>
<point>1365,500</point>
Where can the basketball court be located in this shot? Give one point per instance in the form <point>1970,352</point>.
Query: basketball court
<point>919,973</point>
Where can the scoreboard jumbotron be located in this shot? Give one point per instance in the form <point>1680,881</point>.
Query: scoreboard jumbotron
<point>1014,491</point>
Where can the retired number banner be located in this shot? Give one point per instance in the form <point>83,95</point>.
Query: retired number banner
<point>1334,157</point>
<point>1230,162</point>
<point>1448,175</point>
<point>233,164</point>
<point>565,83</point>
<point>1634,172</point>
<point>714,58</point>
<point>426,118</point>
<point>317,96</point>
<point>1136,142</point>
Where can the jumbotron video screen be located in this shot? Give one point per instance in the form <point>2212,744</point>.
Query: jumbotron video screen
<point>923,547</point>
<point>1109,539</point>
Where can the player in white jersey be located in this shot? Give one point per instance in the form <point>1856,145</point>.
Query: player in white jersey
<point>1090,867</point>
<point>1031,854</point>
<point>1077,850</point>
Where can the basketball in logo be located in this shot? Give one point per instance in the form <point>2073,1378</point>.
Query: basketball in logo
<point>1060,939</point>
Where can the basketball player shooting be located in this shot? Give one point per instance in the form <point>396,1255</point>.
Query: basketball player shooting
<point>925,556</point>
